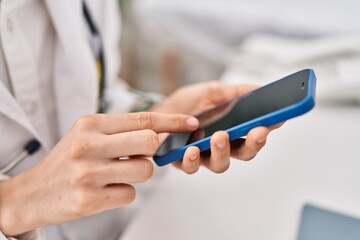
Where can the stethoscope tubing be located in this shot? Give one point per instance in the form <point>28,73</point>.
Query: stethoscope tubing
<point>29,149</point>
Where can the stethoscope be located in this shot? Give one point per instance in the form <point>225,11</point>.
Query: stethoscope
<point>34,145</point>
<point>29,148</point>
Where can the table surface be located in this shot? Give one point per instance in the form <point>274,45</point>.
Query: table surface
<point>313,159</point>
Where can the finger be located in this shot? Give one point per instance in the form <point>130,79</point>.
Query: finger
<point>242,89</point>
<point>141,142</point>
<point>163,136</point>
<point>158,122</point>
<point>125,171</point>
<point>219,92</point>
<point>177,164</point>
<point>191,161</point>
<point>276,126</point>
<point>116,195</point>
<point>253,143</point>
<point>219,160</point>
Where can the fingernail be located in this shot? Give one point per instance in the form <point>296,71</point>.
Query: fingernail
<point>193,158</point>
<point>192,122</point>
<point>221,144</point>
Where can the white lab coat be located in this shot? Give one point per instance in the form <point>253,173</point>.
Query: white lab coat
<point>76,84</point>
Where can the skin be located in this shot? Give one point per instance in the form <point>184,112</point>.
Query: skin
<point>82,175</point>
<point>196,98</point>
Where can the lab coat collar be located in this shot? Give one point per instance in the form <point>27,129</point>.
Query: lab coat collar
<point>8,104</point>
<point>79,81</point>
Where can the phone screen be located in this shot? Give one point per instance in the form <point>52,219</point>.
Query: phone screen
<point>262,101</point>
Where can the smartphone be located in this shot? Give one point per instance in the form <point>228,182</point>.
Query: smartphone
<point>276,102</point>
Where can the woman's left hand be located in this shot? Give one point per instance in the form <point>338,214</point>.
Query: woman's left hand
<point>196,98</point>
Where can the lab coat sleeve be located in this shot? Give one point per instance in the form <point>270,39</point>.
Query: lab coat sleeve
<point>32,235</point>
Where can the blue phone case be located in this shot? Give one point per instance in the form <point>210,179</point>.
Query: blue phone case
<point>241,130</point>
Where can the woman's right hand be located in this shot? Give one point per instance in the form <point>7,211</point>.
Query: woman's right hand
<point>82,175</point>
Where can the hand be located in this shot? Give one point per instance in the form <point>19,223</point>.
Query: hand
<point>196,98</point>
<point>82,175</point>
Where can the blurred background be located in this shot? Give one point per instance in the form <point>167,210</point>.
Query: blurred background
<point>305,184</point>
<point>166,44</point>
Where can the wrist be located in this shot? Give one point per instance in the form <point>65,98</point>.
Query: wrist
<point>13,215</point>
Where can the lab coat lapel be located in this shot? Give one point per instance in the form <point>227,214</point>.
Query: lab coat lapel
<point>10,108</point>
<point>77,87</point>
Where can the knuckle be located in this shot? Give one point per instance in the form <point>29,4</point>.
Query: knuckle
<point>144,120</point>
<point>82,204</point>
<point>82,176</point>
<point>81,148</point>
<point>214,86</point>
<point>214,91</point>
<point>151,141</point>
<point>84,122</point>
